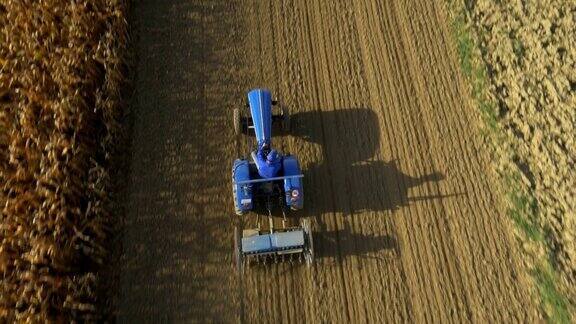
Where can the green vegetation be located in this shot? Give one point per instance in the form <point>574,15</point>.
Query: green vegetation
<point>475,73</point>
<point>523,208</point>
<point>553,301</point>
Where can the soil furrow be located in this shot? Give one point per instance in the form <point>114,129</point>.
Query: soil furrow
<point>407,228</point>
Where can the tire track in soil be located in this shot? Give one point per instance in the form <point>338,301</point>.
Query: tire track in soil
<point>177,241</point>
<point>441,293</point>
<point>479,230</point>
<point>407,228</point>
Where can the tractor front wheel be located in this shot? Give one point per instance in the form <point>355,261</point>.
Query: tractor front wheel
<point>237,122</point>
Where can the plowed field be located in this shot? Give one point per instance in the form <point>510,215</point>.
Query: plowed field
<point>407,221</point>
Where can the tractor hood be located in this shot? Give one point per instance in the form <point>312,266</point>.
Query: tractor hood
<point>260,102</point>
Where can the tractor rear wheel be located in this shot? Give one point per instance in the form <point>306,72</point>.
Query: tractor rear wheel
<point>237,122</point>
<point>238,249</point>
<point>237,209</point>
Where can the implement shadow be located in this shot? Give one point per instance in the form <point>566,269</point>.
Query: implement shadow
<point>346,242</point>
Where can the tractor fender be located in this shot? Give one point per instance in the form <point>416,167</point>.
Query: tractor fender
<point>242,192</point>
<point>292,167</point>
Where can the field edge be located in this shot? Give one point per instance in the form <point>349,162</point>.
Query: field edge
<point>522,207</point>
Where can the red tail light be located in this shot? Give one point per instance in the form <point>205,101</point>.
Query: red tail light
<point>295,193</point>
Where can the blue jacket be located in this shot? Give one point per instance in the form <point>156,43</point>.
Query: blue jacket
<point>268,165</point>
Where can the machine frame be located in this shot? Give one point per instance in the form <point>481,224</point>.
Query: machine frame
<point>263,196</point>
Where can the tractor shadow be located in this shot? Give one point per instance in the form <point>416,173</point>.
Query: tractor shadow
<point>349,178</point>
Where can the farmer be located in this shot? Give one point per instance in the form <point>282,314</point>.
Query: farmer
<point>268,162</point>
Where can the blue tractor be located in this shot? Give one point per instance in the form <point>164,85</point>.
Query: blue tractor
<point>267,183</point>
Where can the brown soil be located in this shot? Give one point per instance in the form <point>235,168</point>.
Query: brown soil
<point>408,226</point>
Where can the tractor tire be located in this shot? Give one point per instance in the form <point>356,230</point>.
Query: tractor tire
<point>237,209</point>
<point>285,120</point>
<point>237,122</point>
<point>309,249</point>
<point>238,249</point>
